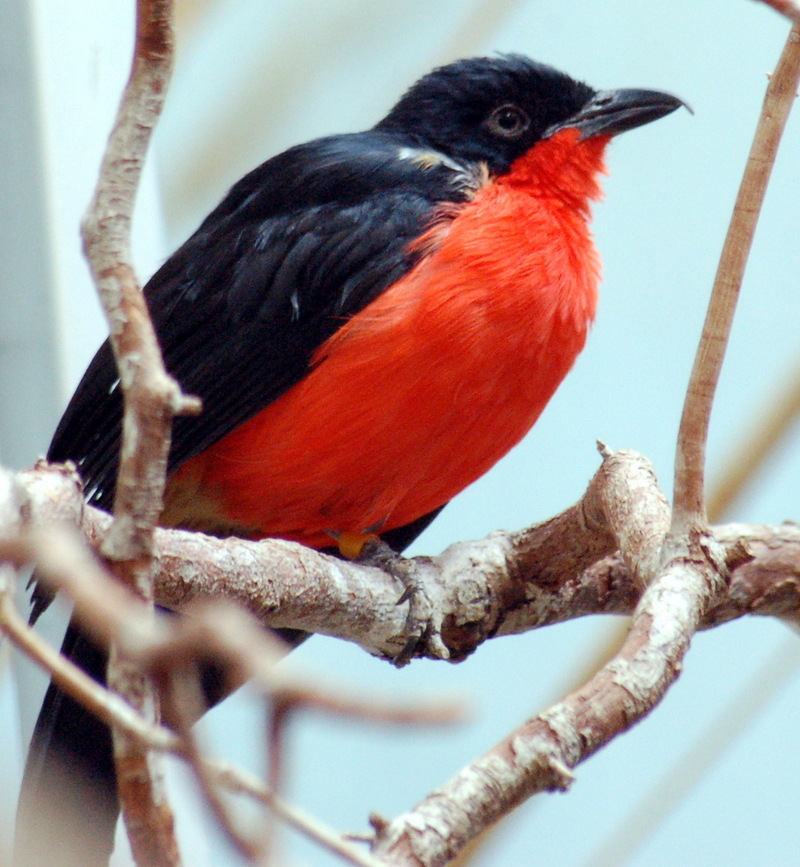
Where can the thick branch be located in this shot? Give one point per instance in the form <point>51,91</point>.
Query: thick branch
<point>539,755</point>
<point>501,584</point>
<point>565,568</point>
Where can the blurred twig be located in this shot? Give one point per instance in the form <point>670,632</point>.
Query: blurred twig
<point>171,651</point>
<point>749,457</point>
<point>789,8</point>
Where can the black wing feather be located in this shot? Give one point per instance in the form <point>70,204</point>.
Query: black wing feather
<point>299,245</point>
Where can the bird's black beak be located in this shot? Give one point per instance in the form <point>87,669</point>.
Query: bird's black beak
<point>610,112</point>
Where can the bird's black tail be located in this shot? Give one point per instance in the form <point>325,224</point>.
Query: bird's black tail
<point>68,805</point>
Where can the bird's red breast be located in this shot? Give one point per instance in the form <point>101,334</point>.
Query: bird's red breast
<point>421,392</point>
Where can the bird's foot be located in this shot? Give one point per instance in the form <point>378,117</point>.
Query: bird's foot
<point>423,627</point>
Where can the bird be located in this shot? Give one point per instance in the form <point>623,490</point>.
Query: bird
<point>371,320</point>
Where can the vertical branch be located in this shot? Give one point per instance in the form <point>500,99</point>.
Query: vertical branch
<point>689,505</point>
<point>151,400</point>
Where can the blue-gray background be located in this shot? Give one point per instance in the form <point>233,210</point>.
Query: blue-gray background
<point>253,78</point>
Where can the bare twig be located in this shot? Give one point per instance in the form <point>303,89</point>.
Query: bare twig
<point>169,648</point>
<point>151,400</point>
<point>689,501</point>
<point>789,8</point>
<point>115,711</point>
<point>239,781</point>
<point>635,511</point>
<point>103,703</point>
<point>181,699</point>
<point>151,396</point>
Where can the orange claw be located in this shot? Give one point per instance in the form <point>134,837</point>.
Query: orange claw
<point>351,545</point>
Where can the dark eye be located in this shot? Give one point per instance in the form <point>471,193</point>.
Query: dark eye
<point>508,121</point>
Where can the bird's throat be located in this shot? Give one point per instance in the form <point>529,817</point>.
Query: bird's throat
<point>563,168</point>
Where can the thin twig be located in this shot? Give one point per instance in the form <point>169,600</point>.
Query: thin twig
<point>279,715</point>
<point>789,8</point>
<point>689,500</point>
<point>113,710</point>
<point>216,631</point>
<point>240,781</point>
<point>151,399</point>
<point>103,703</point>
<point>182,697</point>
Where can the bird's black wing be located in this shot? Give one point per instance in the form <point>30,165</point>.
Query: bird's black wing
<point>300,244</point>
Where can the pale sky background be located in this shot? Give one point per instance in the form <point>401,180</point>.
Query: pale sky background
<point>253,78</point>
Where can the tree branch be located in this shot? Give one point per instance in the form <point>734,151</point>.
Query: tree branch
<point>540,754</point>
<point>525,590</point>
<point>527,578</point>
<point>689,502</point>
<point>789,8</point>
<point>151,399</point>
<point>170,650</point>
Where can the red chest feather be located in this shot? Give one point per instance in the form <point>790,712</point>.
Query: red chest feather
<point>420,393</point>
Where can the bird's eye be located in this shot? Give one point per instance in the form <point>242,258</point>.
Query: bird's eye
<point>508,121</point>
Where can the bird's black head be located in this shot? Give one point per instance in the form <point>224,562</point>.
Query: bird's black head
<point>495,109</point>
